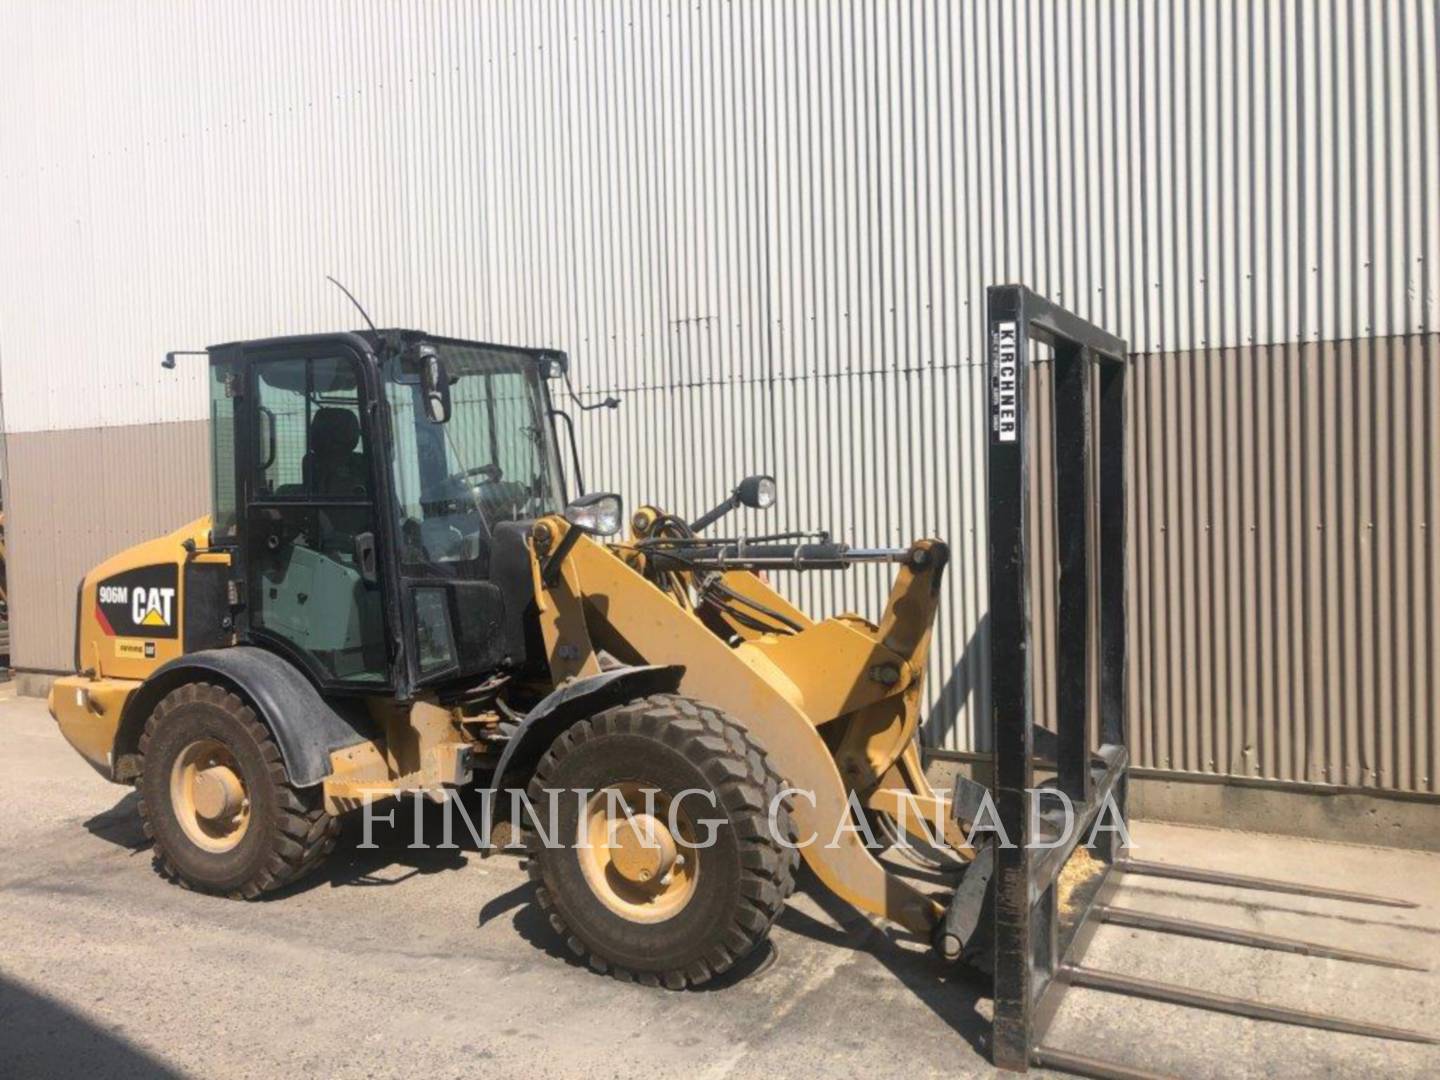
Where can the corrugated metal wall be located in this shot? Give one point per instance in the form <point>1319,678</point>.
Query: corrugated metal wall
<point>770,226</point>
<point>1286,614</point>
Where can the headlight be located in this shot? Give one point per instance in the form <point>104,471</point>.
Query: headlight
<point>756,492</point>
<point>599,514</point>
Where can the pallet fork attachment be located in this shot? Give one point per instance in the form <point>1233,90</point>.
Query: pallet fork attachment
<point>1048,902</point>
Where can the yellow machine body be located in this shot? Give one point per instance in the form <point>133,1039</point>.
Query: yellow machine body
<point>129,621</point>
<point>836,705</point>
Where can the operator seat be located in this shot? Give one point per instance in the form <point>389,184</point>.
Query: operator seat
<point>333,466</point>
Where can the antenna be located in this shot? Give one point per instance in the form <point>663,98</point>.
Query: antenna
<point>358,308</point>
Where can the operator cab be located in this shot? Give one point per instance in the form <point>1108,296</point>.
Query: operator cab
<point>375,491</point>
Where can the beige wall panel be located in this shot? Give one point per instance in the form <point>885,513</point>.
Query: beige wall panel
<point>1284,562</point>
<point>75,498</point>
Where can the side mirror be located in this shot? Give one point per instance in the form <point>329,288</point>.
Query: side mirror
<point>434,386</point>
<point>756,492</point>
<point>596,515</point>
<point>169,362</point>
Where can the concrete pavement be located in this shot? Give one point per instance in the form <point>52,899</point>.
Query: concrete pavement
<point>402,963</point>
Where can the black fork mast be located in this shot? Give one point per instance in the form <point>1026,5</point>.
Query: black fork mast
<point>1039,943</point>
<point>1030,943</point>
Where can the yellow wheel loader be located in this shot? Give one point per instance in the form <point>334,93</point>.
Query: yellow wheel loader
<point>395,593</point>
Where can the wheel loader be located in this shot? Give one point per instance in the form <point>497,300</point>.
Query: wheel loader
<point>396,593</point>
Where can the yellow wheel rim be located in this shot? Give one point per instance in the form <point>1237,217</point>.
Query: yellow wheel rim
<point>207,793</point>
<point>636,864</point>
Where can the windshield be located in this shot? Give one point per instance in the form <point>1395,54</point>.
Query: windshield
<point>493,462</point>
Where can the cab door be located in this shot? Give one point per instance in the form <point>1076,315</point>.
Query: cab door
<point>314,582</point>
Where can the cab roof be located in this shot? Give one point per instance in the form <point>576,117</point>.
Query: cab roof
<point>374,340</point>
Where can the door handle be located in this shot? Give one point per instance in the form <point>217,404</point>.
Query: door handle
<point>365,557</point>
<point>272,441</point>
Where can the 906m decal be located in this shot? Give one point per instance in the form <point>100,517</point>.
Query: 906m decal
<point>139,603</point>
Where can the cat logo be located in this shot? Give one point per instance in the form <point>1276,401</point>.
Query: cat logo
<point>151,607</point>
<point>143,602</point>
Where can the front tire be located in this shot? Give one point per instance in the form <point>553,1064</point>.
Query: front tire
<point>215,798</point>
<point>670,908</point>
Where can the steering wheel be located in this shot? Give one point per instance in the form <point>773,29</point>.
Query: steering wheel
<point>439,541</point>
<point>458,486</point>
<point>493,498</point>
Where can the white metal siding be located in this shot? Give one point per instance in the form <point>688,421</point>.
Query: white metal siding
<point>770,225</point>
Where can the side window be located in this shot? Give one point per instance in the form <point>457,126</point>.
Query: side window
<point>222,454</point>
<point>432,624</point>
<point>309,433</point>
<point>440,530</point>
<point>311,528</point>
<point>518,441</point>
<point>310,586</point>
<point>456,482</point>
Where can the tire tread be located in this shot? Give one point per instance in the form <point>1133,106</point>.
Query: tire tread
<point>303,833</point>
<point>746,782</point>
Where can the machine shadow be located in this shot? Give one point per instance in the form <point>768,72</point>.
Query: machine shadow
<point>955,695</point>
<point>533,926</point>
<point>952,992</point>
<point>393,856</point>
<point>120,825</point>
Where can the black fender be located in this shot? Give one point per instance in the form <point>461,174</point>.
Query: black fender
<point>574,701</point>
<point>306,727</point>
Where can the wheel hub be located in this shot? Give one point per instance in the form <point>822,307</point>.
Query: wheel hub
<point>635,862</point>
<point>218,793</point>
<point>643,849</point>
<point>208,796</point>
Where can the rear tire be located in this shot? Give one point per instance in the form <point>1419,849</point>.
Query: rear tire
<point>715,904</point>
<point>258,836</point>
